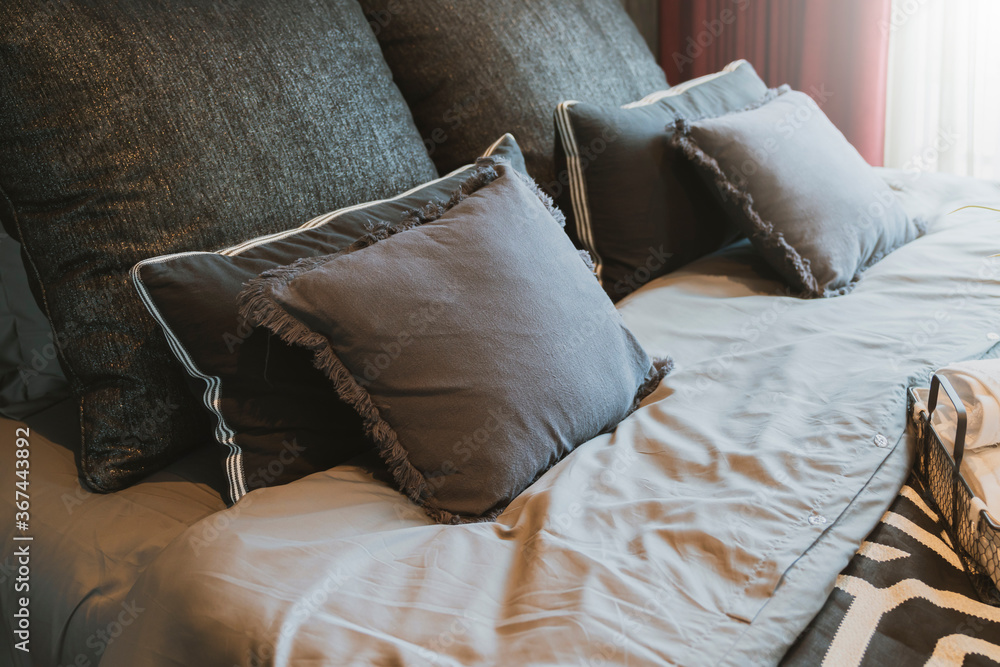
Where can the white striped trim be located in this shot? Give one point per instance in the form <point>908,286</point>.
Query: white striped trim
<point>577,186</point>
<point>681,88</point>
<point>575,168</point>
<point>224,434</point>
<point>213,384</point>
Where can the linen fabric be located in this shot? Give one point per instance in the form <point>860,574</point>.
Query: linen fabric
<point>275,417</point>
<point>811,205</point>
<point>637,206</point>
<point>129,131</point>
<point>709,528</point>
<point>471,339</point>
<point>472,71</point>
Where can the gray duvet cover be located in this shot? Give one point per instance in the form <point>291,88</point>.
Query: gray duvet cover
<point>708,529</point>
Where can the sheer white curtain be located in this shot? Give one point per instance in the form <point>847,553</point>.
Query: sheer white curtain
<point>943,107</point>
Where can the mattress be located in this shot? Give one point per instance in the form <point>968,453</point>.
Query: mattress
<point>708,529</point>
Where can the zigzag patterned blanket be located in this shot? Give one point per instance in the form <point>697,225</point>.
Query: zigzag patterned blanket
<point>904,599</point>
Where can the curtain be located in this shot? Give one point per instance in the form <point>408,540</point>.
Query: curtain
<point>944,87</point>
<point>835,50</point>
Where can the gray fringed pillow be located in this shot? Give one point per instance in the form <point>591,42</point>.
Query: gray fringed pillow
<point>811,205</point>
<point>475,344</point>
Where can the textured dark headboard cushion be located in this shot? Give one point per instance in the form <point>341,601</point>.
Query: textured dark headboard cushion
<point>474,70</point>
<point>129,130</point>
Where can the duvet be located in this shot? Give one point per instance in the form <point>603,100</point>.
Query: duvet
<point>709,528</point>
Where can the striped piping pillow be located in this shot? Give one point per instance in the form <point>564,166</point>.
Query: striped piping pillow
<point>276,417</point>
<point>637,205</point>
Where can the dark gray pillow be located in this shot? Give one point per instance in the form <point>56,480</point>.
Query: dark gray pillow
<point>129,130</point>
<point>276,417</point>
<point>637,206</point>
<point>476,346</point>
<point>471,71</point>
<point>30,376</point>
<point>811,205</point>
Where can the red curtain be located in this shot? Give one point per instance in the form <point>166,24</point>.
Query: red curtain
<point>835,50</point>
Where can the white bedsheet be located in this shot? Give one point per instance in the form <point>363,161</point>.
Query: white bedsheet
<point>708,529</point>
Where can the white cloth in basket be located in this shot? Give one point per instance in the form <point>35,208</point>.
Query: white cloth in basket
<point>978,385</point>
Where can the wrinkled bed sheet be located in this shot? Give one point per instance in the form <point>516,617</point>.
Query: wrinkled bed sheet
<point>708,529</point>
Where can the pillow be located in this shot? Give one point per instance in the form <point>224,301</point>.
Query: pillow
<point>275,416</point>
<point>471,71</point>
<point>132,130</point>
<point>638,207</point>
<point>811,205</point>
<point>473,342</point>
<point>30,376</point>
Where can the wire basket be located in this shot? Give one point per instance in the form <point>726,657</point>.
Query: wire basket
<point>975,536</point>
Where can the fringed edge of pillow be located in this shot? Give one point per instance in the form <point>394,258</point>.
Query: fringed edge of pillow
<point>662,366</point>
<point>259,306</point>
<point>760,230</point>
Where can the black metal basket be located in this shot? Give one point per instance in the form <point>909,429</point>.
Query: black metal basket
<point>976,539</point>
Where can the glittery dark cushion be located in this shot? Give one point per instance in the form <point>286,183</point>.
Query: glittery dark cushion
<point>129,130</point>
<point>474,70</point>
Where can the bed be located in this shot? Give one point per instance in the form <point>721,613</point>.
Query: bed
<point>709,528</point>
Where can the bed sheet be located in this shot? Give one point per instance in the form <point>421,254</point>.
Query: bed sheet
<point>708,529</point>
